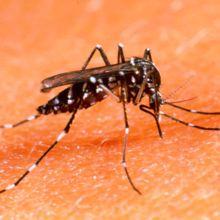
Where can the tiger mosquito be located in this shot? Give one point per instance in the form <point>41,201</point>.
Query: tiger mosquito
<point>127,81</point>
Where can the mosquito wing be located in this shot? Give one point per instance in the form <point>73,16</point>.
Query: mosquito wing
<point>73,77</point>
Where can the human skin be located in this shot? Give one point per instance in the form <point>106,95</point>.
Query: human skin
<point>82,178</point>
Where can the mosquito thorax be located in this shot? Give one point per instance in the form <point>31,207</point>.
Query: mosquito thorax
<point>147,69</point>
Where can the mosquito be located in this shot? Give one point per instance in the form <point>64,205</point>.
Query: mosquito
<point>127,81</point>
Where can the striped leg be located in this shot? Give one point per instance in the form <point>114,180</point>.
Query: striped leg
<point>30,118</point>
<point>33,166</point>
<point>102,53</point>
<point>191,110</point>
<point>124,164</point>
<point>189,124</point>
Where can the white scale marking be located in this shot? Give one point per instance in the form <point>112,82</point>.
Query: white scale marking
<point>8,126</point>
<point>191,125</point>
<point>121,73</point>
<point>98,46</point>
<point>85,95</point>
<point>61,135</point>
<point>92,79</point>
<point>70,101</point>
<point>121,45</point>
<point>99,89</point>
<point>132,61</point>
<point>126,130</point>
<point>56,101</point>
<point>46,85</point>
<point>100,80</point>
<point>152,89</point>
<point>124,164</point>
<point>32,117</point>
<point>193,111</point>
<point>32,167</point>
<point>10,187</point>
<point>111,79</point>
<point>56,108</point>
<point>133,80</point>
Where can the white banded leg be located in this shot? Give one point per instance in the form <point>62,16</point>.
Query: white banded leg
<point>30,118</point>
<point>191,110</point>
<point>34,165</point>
<point>124,164</point>
<point>189,124</point>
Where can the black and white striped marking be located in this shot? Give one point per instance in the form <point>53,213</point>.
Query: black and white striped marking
<point>30,118</point>
<point>34,165</point>
<point>188,123</point>
<point>142,78</point>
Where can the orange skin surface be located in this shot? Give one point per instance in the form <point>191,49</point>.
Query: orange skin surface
<point>82,177</point>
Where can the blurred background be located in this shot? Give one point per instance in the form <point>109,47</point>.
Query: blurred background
<point>82,178</point>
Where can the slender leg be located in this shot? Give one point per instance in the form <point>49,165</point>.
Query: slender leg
<point>33,166</point>
<point>191,110</point>
<point>124,164</point>
<point>103,55</point>
<point>144,109</point>
<point>121,57</point>
<point>189,124</point>
<point>30,118</point>
<point>147,55</point>
<point>123,98</point>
